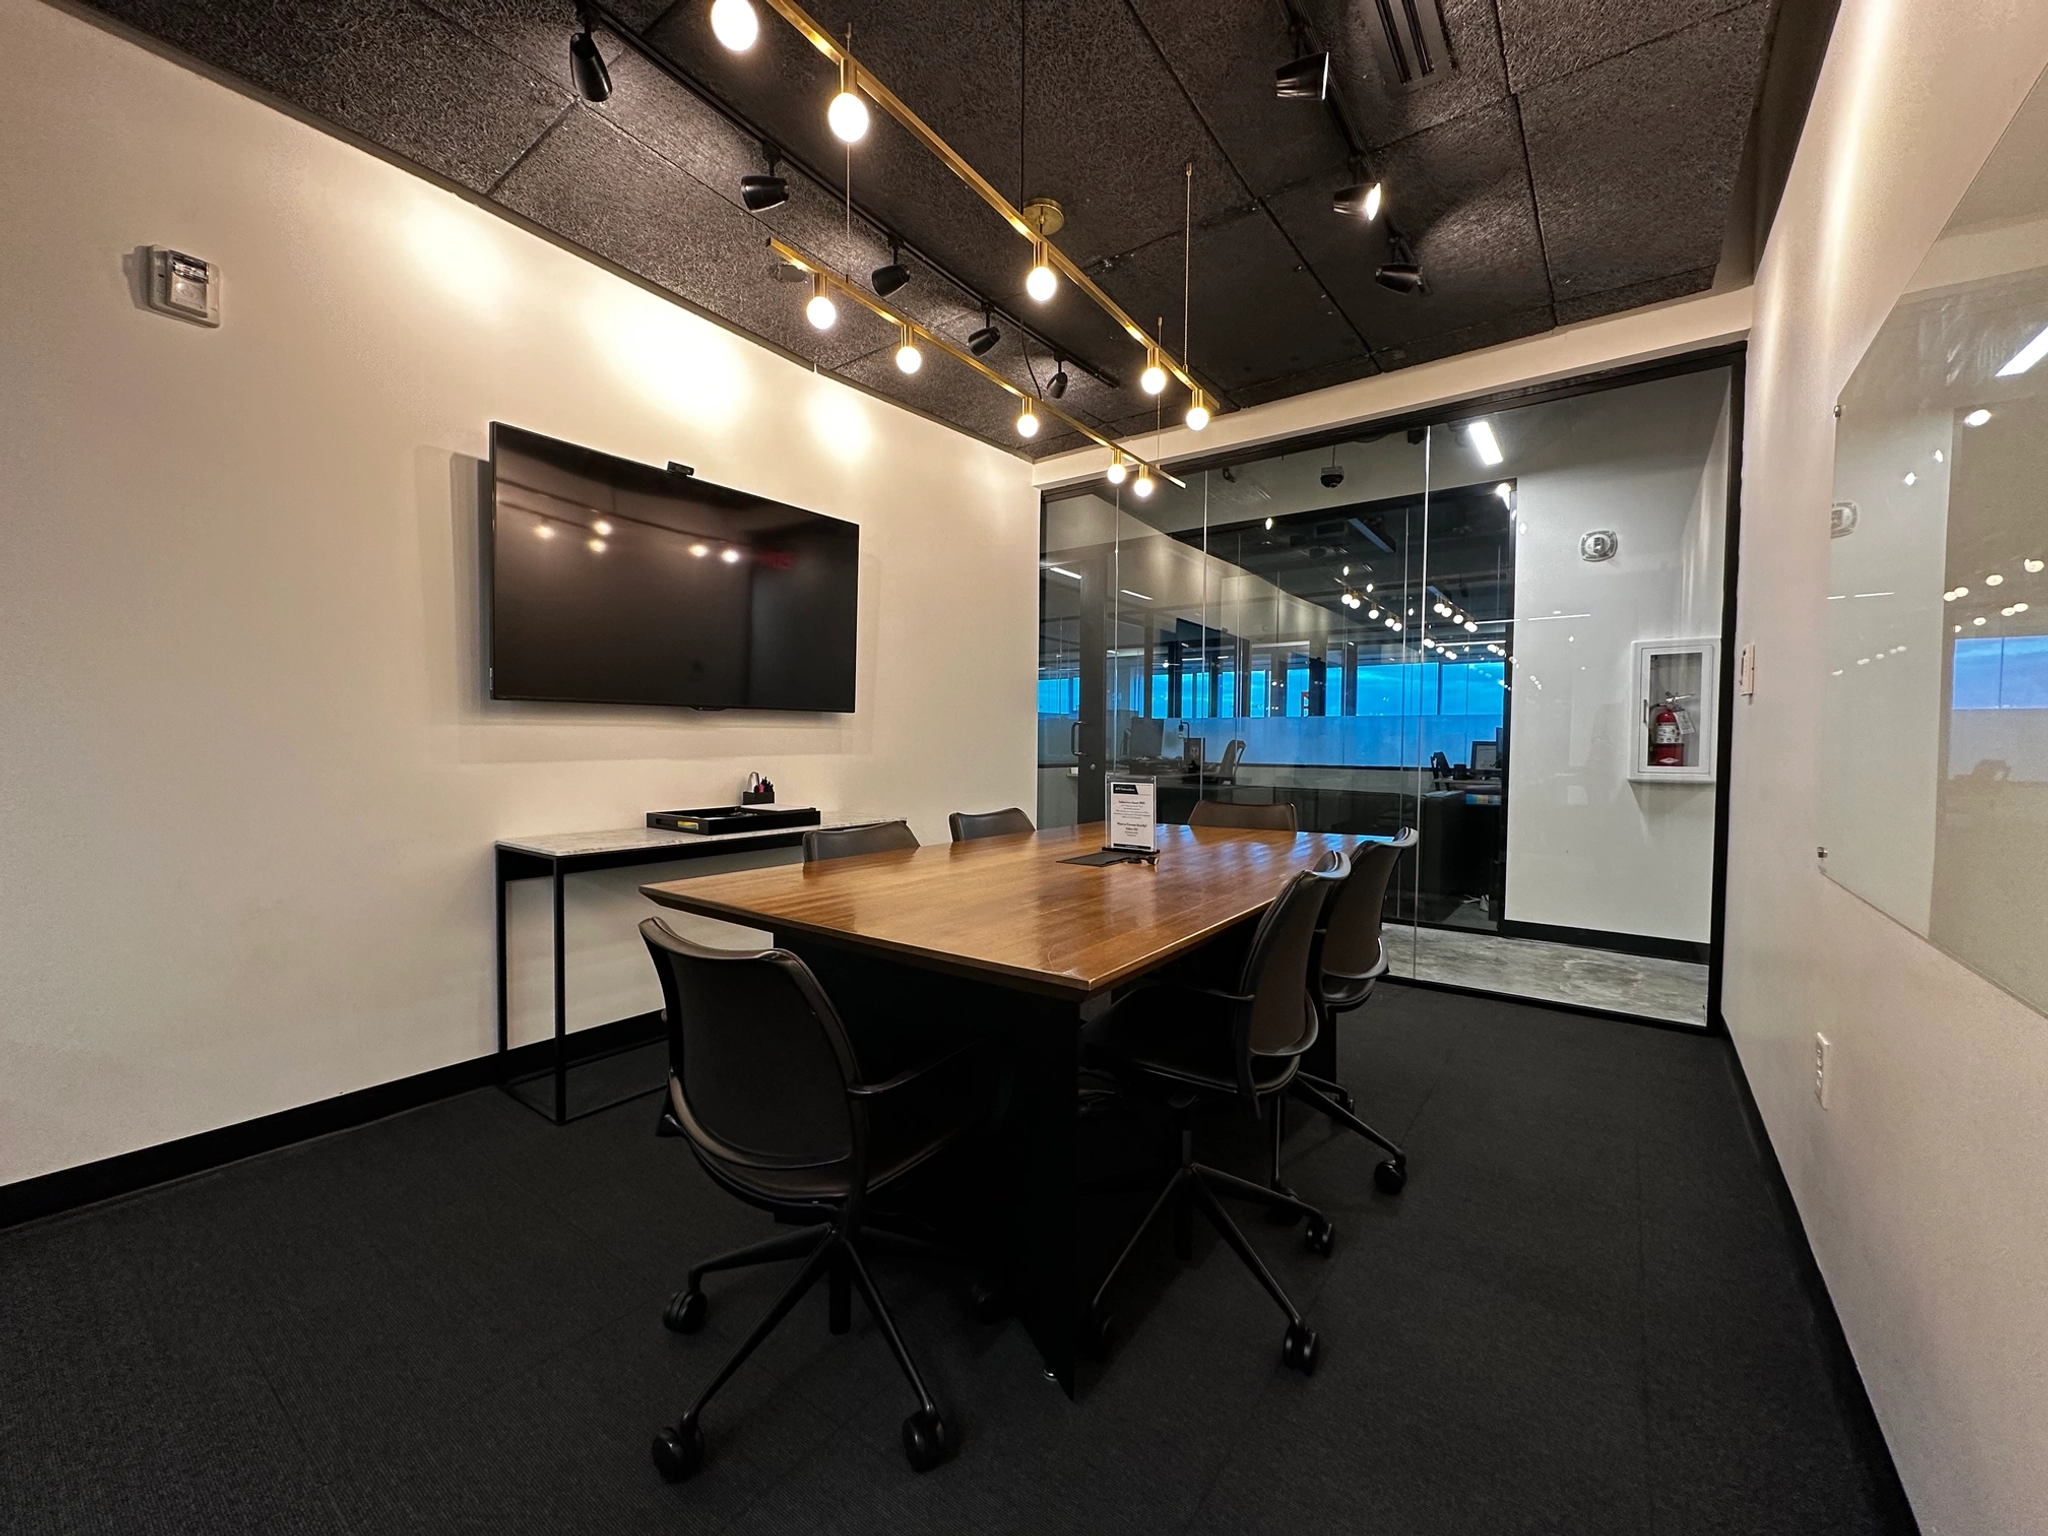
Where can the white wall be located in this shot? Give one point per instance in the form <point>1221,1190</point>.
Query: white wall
<point>1587,846</point>
<point>248,785</point>
<point>1924,1185</point>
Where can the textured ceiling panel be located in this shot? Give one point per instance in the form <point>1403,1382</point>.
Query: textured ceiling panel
<point>1579,160</point>
<point>1634,159</point>
<point>382,68</point>
<point>1544,39</point>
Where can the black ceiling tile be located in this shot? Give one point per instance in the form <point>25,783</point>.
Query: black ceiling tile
<point>607,192</point>
<point>1489,332</point>
<point>1544,39</point>
<point>1590,306</point>
<point>1459,192</point>
<point>380,68</point>
<point>1224,53</point>
<point>1309,379</point>
<point>1254,313</point>
<point>1384,111</point>
<point>536,32</point>
<point>1635,158</point>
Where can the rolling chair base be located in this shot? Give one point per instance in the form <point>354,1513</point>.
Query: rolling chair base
<point>1195,1184</point>
<point>1389,1177</point>
<point>679,1451</point>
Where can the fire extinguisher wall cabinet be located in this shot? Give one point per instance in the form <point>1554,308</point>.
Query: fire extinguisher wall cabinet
<point>1677,689</point>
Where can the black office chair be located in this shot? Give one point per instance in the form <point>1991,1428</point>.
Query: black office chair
<point>764,1083</point>
<point>1350,959</point>
<point>1440,774</point>
<point>845,842</point>
<point>1225,771</point>
<point>1193,1046</point>
<point>1277,817</point>
<point>969,825</point>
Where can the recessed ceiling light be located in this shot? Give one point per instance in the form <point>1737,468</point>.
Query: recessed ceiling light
<point>596,546</point>
<point>730,556</point>
<point>1480,434</point>
<point>544,531</point>
<point>1911,478</point>
<point>700,550</point>
<point>1977,418</point>
<point>1994,580</point>
<point>601,528</point>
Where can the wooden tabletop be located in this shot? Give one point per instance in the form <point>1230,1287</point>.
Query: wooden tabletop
<point>1007,909</point>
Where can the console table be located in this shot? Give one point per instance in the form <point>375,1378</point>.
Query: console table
<point>555,856</point>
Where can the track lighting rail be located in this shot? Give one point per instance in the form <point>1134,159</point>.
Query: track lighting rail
<point>626,33</point>
<point>828,279</point>
<point>871,86</point>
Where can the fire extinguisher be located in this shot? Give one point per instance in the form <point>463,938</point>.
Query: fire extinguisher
<point>1667,736</point>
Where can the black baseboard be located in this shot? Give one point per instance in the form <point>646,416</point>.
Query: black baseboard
<point>1620,943</point>
<point>1888,1493</point>
<point>49,1193</point>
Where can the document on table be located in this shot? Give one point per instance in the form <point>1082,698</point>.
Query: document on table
<point>1133,815</point>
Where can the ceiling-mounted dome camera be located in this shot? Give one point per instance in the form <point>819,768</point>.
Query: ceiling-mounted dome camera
<point>1333,476</point>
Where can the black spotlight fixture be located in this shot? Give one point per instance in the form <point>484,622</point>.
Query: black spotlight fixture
<point>983,341</point>
<point>1306,79</point>
<point>886,280</point>
<point>1056,386</point>
<point>1400,272</point>
<point>593,80</point>
<point>760,193</point>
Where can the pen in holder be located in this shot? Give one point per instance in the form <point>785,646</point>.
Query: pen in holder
<point>758,791</point>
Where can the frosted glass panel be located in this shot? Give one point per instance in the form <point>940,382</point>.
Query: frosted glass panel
<point>1934,770</point>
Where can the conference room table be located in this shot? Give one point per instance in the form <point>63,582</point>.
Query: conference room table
<point>1001,937</point>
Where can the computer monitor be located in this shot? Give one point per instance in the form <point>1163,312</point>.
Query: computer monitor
<point>1485,756</point>
<point>1146,737</point>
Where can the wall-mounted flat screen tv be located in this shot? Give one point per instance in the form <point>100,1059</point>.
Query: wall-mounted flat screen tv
<point>613,582</point>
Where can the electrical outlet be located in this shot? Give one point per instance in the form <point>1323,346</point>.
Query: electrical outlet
<point>1821,1048</point>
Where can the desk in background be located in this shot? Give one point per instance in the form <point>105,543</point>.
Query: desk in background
<point>1003,936</point>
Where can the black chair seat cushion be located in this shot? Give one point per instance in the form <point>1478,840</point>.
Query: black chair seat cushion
<point>1343,992</point>
<point>1179,1035</point>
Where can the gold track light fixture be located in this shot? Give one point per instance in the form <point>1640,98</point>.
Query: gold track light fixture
<point>847,116</point>
<point>826,286</point>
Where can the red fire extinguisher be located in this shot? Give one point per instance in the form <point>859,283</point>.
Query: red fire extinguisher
<point>1667,736</point>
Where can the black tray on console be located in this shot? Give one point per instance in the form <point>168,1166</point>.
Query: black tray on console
<point>713,820</point>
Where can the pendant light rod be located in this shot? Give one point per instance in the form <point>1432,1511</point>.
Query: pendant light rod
<point>982,187</point>
<point>828,280</point>
<point>626,33</point>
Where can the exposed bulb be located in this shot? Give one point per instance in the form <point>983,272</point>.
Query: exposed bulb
<point>730,556</point>
<point>848,117</point>
<point>821,311</point>
<point>1153,379</point>
<point>1198,414</point>
<point>1372,202</point>
<point>734,24</point>
<point>1269,523</point>
<point>1143,484</point>
<point>908,358</point>
<point>1041,282</point>
<point>1117,470</point>
<point>1027,421</point>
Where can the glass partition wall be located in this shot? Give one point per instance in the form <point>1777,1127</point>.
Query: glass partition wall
<point>1499,629</point>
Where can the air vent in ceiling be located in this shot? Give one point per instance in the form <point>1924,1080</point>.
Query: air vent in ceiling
<point>1411,44</point>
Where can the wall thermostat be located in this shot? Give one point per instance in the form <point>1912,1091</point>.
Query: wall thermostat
<point>185,286</point>
<point>1600,544</point>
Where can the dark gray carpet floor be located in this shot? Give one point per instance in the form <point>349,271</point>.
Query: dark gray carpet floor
<point>1585,1315</point>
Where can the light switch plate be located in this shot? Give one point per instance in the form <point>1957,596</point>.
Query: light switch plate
<point>1745,672</point>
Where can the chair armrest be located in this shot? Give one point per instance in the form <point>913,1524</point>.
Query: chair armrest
<point>912,1074</point>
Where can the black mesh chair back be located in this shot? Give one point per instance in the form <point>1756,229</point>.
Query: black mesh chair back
<point>1278,817</point>
<point>760,1055</point>
<point>969,825</point>
<point>1232,754</point>
<point>845,842</point>
<point>1351,923</point>
<point>1280,1019</point>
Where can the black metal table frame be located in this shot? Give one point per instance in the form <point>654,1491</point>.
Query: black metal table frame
<point>513,862</point>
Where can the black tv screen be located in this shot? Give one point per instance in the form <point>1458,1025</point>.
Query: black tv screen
<point>613,582</point>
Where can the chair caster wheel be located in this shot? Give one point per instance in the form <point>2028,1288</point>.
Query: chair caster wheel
<point>1300,1349</point>
<point>1321,1236</point>
<point>990,1305</point>
<point>684,1312</point>
<point>1097,1329</point>
<point>925,1440</point>
<point>679,1452</point>
<point>1390,1178</point>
